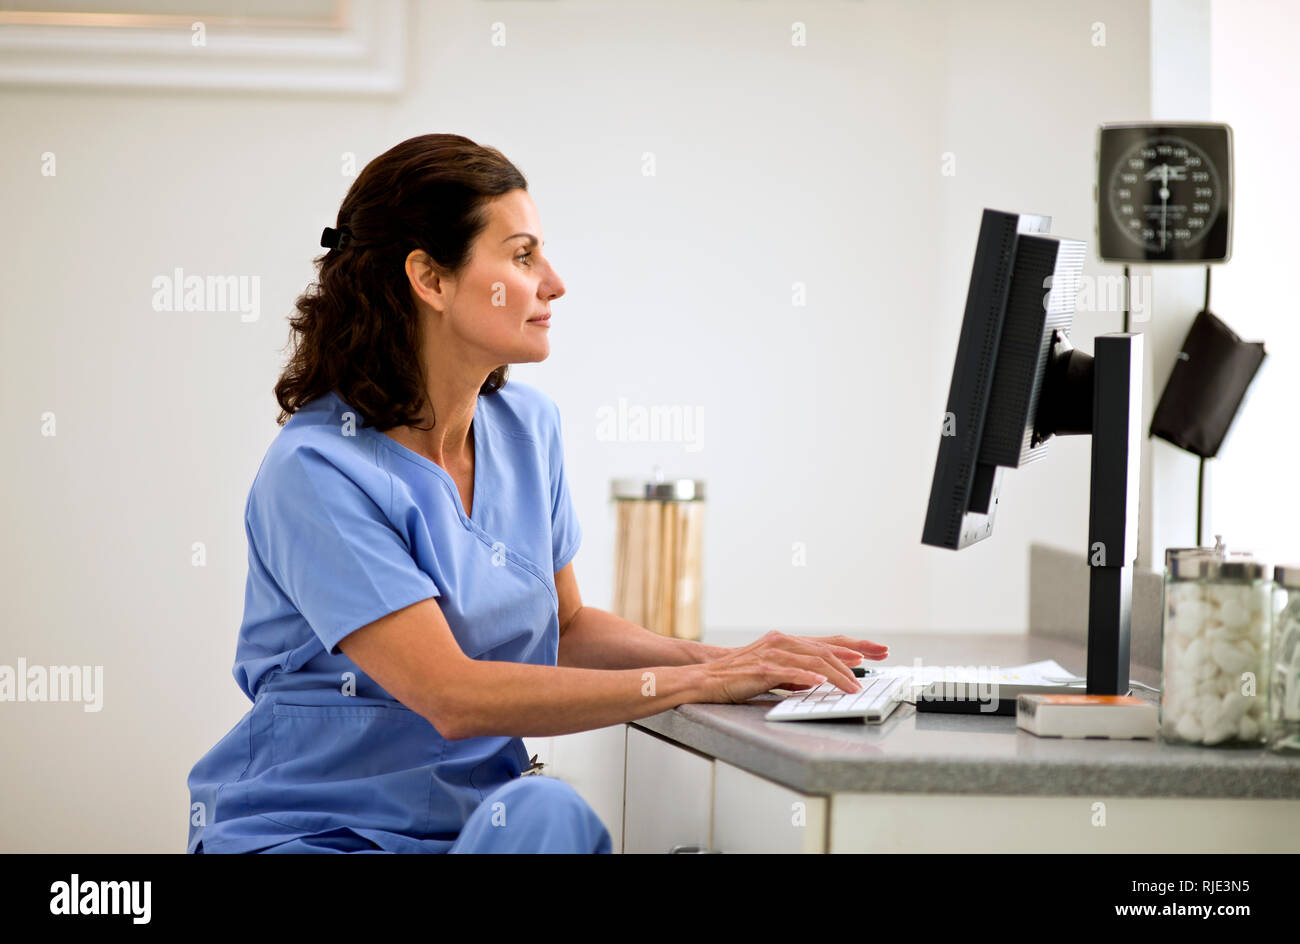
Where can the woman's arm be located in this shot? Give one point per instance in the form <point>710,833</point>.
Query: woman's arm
<point>591,638</point>
<point>597,639</point>
<point>413,655</point>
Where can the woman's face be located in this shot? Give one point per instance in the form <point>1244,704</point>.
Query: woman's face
<point>489,314</point>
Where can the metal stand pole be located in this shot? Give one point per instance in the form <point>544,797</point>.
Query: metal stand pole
<point>1113,514</point>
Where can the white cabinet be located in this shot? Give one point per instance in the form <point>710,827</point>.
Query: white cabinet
<point>593,763</point>
<point>675,796</point>
<point>668,800</point>
<point>751,814</point>
<point>924,823</point>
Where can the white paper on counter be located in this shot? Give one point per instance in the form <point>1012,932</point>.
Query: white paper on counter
<point>1032,673</point>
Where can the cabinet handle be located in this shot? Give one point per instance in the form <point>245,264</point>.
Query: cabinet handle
<point>681,849</point>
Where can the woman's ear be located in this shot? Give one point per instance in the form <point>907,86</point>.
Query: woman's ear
<point>428,283</point>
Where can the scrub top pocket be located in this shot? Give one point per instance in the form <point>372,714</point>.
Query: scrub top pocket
<point>502,767</point>
<point>369,760</point>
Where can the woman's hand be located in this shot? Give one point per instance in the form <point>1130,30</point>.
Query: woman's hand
<point>780,661</point>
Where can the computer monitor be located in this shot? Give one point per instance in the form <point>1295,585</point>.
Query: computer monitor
<point>1016,382</point>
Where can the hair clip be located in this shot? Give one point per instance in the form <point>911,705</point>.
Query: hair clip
<point>335,238</point>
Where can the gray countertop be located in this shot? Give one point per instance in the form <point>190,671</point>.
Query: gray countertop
<point>968,754</point>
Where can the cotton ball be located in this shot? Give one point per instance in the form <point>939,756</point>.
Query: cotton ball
<point>1253,659</point>
<point>1248,728</point>
<point>1235,706</point>
<point>1183,689</point>
<point>1230,595</point>
<point>1168,728</point>
<point>1217,634</point>
<point>1219,732</point>
<point>1231,659</point>
<point>1179,594</point>
<point>1249,645</point>
<point>1195,658</point>
<point>1226,684</point>
<point>1235,633</point>
<point>1181,681</point>
<point>1234,615</point>
<point>1176,679</point>
<point>1191,615</point>
<point>1178,626</point>
<point>1188,728</point>
<point>1209,711</point>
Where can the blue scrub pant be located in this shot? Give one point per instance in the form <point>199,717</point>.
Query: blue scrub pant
<point>533,814</point>
<point>529,814</point>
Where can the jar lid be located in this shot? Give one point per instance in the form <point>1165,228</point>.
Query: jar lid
<point>1219,552</point>
<point>641,489</point>
<point>1243,570</point>
<point>1213,567</point>
<point>1288,575</point>
<point>1172,552</point>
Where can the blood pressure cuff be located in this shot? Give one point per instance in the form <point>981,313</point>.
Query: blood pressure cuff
<point>1209,380</point>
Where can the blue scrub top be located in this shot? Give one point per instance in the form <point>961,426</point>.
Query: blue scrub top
<point>345,526</point>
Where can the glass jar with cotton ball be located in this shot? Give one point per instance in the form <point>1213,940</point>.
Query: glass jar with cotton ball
<point>1284,687</point>
<point>1215,641</point>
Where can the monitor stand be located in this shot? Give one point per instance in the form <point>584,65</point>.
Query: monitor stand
<point>1113,514</point>
<point>1099,396</point>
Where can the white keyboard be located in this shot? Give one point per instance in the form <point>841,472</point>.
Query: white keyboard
<point>878,697</point>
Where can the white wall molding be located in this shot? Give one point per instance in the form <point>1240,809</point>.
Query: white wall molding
<point>362,53</point>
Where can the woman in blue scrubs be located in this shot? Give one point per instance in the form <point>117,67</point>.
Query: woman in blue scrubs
<point>411,610</point>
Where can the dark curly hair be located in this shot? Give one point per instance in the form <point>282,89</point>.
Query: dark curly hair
<point>357,329</point>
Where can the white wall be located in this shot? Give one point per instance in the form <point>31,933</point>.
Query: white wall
<point>1180,91</point>
<point>776,164</point>
<point>1255,84</point>
<point>1024,90</point>
<point>1232,62</point>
